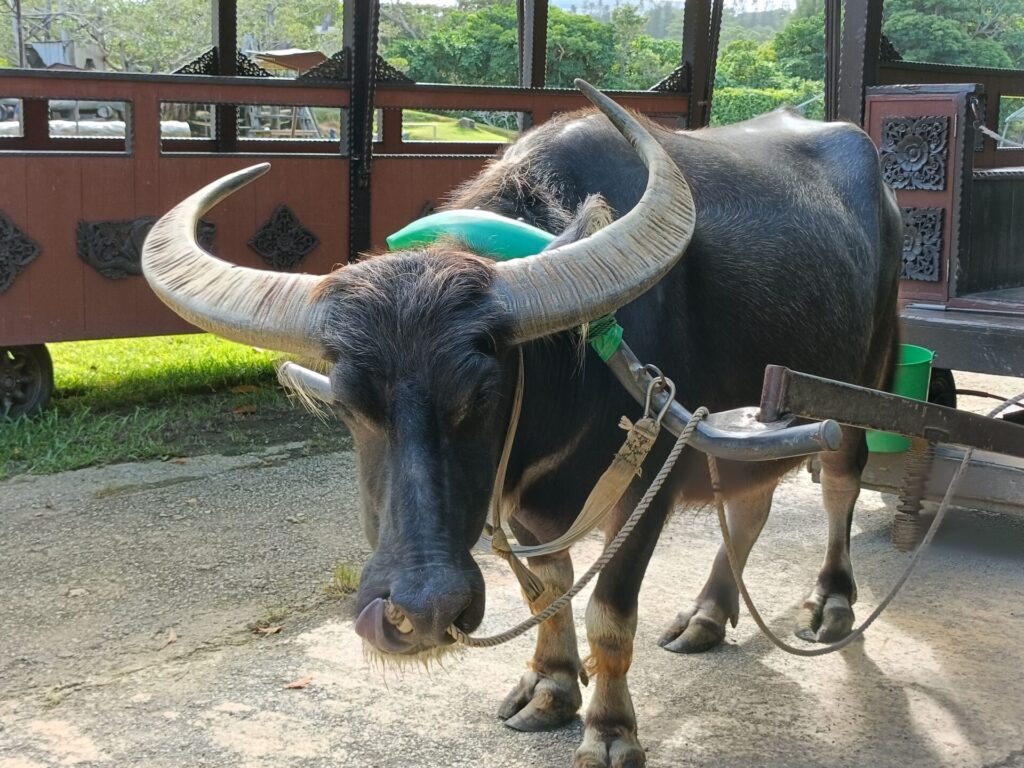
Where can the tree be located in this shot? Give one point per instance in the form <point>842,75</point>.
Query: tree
<point>578,46</point>
<point>745,64</point>
<point>465,46</point>
<point>161,35</point>
<point>800,47</point>
<point>982,33</point>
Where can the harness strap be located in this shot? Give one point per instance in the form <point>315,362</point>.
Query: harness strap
<point>532,586</point>
<point>609,490</point>
<point>609,552</point>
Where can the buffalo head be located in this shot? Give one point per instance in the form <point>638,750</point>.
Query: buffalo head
<point>421,349</point>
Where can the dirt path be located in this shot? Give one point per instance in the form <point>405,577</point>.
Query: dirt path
<point>129,593</point>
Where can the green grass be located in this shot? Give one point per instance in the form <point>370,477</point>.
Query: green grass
<point>122,372</point>
<point>344,581</point>
<point>426,126</point>
<point>160,397</point>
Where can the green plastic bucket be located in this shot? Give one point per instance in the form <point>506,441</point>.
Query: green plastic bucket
<point>911,379</point>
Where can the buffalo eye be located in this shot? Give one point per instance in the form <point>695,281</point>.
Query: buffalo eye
<point>484,345</point>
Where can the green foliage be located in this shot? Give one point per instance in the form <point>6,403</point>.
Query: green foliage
<point>731,105</point>
<point>161,35</point>
<point>800,47</point>
<point>745,64</point>
<point>979,34</point>
<point>275,24</point>
<point>578,46</point>
<point>474,46</point>
<point>477,43</point>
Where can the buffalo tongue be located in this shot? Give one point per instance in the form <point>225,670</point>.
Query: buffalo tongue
<point>372,627</point>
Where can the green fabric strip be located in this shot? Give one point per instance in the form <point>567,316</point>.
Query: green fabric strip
<point>499,238</point>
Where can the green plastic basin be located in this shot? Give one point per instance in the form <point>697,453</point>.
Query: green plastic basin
<point>913,374</point>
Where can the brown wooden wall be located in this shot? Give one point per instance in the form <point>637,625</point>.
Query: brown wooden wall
<point>47,191</point>
<point>51,184</point>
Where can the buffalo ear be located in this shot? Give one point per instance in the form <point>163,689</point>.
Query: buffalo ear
<point>593,214</point>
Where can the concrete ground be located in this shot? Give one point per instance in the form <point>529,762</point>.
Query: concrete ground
<point>128,594</point>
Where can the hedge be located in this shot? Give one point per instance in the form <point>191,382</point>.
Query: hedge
<point>730,105</point>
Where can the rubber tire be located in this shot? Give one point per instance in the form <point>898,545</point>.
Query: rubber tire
<point>39,366</point>
<point>942,389</point>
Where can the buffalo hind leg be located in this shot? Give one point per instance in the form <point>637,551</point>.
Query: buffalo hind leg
<point>827,614</point>
<point>702,626</point>
<point>610,734</point>
<point>548,695</point>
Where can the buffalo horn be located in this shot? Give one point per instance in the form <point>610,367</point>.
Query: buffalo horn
<point>253,306</point>
<point>578,282</point>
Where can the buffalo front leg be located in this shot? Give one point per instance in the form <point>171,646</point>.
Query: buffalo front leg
<point>548,695</point>
<point>702,626</point>
<point>610,734</point>
<point>827,615</point>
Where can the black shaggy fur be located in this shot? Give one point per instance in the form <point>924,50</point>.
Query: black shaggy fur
<point>794,261</point>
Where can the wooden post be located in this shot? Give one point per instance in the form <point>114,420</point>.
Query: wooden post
<point>858,59</point>
<point>702,20</point>
<point>225,39</point>
<point>533,41</point>
<point>360,40</point>
<point>833,38</point>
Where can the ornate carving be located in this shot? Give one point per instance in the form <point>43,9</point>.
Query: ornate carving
<point>17,251</point>
<point>203,64</point>
<point>246,67</point>
<point>283,242</point>
<point>676,81</point>
<point>206,64</point>
<point>114,248</point>
<point>922,244</point>
<point>887,51</point>
<point>914,152</point>
<point>385,73</point>
<point>333,70</point>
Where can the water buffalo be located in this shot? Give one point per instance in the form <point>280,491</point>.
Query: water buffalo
<point>769,241</point>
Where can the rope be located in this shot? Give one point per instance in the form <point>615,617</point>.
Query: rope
<point>859,631</point>
<point>528,580</point>
<point>609,552</point>
<point>998,136</point>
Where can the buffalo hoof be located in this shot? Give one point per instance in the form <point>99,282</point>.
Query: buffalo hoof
<point>609,751</point>
<point>694,631</point>
<point>541,702</point>
<point>824,618</point>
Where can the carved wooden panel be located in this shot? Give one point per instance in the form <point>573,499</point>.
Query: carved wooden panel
<point>283,242</point>
<point>114,248</point>
<point>922,244</point>
<point>923,139</point>
<point>17,251</point>
<point>915,152</point>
